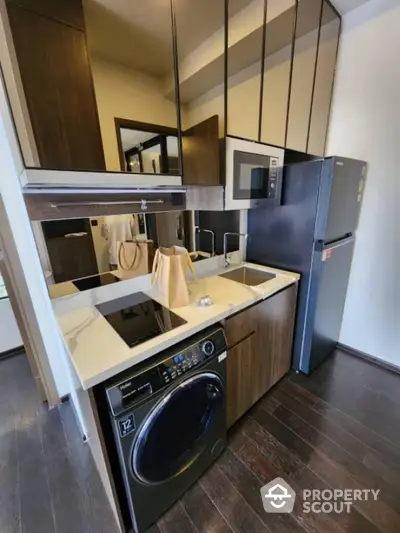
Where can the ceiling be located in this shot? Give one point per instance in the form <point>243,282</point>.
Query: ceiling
<point>344,6</point>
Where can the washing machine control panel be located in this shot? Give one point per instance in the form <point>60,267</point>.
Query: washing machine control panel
<point>164,370</point>
<point>191,357</point>
<point>177,365</point>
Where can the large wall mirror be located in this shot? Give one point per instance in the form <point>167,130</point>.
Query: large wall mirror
<point>75,251</point>
<point>130,46</point>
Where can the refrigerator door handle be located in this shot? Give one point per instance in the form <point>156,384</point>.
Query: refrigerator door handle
<point>319,246</point>
<point>339,244</point>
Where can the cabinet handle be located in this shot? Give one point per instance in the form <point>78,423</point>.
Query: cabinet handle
<point>115,202</point>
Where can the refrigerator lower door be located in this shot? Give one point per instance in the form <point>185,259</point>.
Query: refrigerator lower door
<point>325,305</point>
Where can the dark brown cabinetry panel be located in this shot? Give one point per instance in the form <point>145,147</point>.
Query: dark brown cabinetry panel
<point>261,348</point>
<point>56,77</point>
<point>240,326</point>
<point>241,392</point>
<point>201,149</point>
<point>68,12</point>
<point>274,319</point>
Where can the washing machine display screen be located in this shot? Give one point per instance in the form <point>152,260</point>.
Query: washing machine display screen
<point>175,431</point>
<point>132,391</point>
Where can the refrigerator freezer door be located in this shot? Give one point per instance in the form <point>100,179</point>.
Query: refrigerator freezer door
<point>327,303</point>
<point>283,236</point>
<point>342,187</point>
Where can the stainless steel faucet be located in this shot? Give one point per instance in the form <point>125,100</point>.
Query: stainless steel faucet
<point>245,235</point>
<point>198,229</point>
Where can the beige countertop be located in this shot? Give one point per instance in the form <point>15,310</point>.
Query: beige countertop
<point>98,352</point>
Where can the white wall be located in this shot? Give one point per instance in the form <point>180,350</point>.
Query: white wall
<point>365,124</point>
<point>20,247</point>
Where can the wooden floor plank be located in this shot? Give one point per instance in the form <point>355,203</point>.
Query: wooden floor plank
<point>379,513</point>
<point>291,396</point>
<point>363,390</point>
<point>176,520</point>
<point>202,512</point>
<point>260,456</point>
<point>230,503</point>
<point>386,449</point>
<point>354,467</point>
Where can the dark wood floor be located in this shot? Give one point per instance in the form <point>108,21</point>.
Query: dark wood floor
<point>48,480</point>
<point>340,428</point>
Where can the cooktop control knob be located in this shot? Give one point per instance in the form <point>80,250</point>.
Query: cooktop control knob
<point>208,348</point>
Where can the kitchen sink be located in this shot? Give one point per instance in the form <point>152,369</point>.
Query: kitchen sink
<point>248,276</point>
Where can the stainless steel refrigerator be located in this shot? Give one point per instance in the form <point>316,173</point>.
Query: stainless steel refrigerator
<point>313,233</point>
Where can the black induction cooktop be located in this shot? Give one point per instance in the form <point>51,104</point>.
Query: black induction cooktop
<point>137,318</point>
<point>92,282</point>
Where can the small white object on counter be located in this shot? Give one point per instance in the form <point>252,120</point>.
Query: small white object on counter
<point>99,353</point>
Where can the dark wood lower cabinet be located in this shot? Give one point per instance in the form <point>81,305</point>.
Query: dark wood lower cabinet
<point>260,349</point>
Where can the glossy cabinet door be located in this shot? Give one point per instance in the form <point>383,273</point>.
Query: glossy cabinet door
<point>244,53</point>
<point>324,80</point>
<point>303,73</point>
<point>241,390</point>
<point>280,25</point>
<point>100,84</point>
<point>200,38</point>
<point>50,47</point>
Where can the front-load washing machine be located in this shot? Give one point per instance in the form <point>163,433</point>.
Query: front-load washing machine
<point>168,422</point>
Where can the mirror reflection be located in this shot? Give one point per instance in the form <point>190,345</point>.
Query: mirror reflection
<point>130,49</point>
<point>324,78</point>
<point>147,148</point>
<point>304,61</point>
<point>76,251</point>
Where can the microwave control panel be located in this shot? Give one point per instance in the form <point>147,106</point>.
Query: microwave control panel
<point>273,178</point>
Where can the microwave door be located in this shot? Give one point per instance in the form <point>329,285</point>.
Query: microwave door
<point>259,183</point>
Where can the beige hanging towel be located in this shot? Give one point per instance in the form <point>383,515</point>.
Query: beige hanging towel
<point>170,268</point>
<point>133,258</point>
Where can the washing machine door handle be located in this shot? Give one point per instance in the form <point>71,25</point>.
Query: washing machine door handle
<point>213,392</point>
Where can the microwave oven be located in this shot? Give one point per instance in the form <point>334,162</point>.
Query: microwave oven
<point>253,174</point>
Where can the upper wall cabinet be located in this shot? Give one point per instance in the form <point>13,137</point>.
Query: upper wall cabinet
<point>281,62</point>
<point>244,58</point>
<point>131,51</point>
<point>104,100</point>
<point>200,37</point>
<point>303,73</point>
<point>324,80</point>
<point>280,24</point>
<point>152,87</point>
<point>50,47</point>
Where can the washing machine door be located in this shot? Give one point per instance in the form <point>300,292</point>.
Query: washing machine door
<point>175,432</point>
